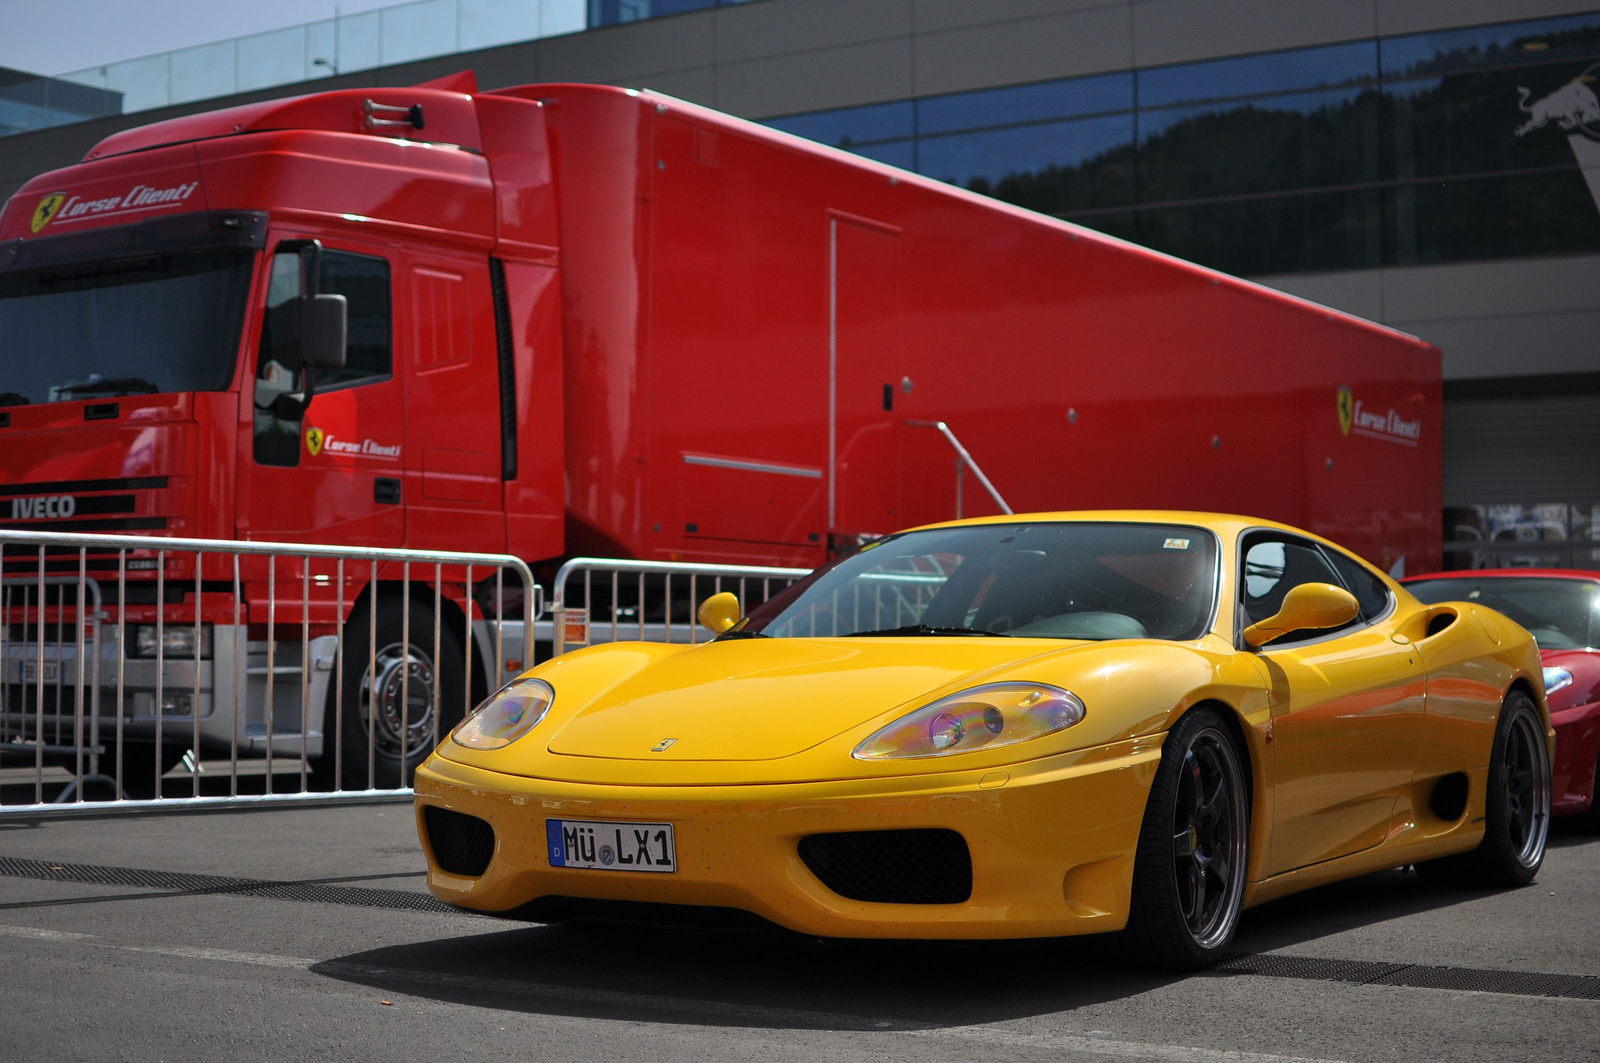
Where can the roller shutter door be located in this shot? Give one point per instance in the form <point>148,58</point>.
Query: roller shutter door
<point>1522,450</point>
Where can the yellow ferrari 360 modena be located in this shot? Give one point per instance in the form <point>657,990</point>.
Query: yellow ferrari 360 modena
<point>1018,726</point>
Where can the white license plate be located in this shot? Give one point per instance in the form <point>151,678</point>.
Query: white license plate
<point>30,671</point>
<point>607,845</point>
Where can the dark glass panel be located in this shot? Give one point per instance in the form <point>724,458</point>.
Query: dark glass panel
<point>1272,234</point>
<point>1494,217</point>
<point>849,126</point>
<point>1025,103</point>
<point>1306,140</point>
<point>1054,167</point>
<point>612,12</point>
<point>1253,75</point>
<point>1484,122</point>
<point>1481,47</point>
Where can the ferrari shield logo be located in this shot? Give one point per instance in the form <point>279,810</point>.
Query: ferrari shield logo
<point>1347,410</point>
<point>47,209</point>
<point>314,438</point>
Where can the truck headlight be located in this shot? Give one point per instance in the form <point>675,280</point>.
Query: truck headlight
<point>511,713</point>
<point>177,641</point>
<point>985,717</point>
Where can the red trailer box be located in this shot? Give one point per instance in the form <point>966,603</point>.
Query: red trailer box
<point>583,319</point>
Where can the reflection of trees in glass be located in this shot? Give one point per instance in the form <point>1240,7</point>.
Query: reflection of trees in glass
<point>1458,127</point>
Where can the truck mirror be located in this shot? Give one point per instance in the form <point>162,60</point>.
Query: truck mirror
<point>322,331</point>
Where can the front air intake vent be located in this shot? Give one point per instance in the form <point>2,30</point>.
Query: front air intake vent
<point>892,866</point>
<point>462,844</point>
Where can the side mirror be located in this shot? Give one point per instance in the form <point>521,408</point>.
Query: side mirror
<point>322,331</point>
<point>1310,606</point>
<point>719,612</point>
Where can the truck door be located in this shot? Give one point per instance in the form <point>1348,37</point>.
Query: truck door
<point>329,472</point>
<point>452,406</point>
<point>865,370</point>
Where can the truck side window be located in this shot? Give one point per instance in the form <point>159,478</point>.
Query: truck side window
<point>364,282</point>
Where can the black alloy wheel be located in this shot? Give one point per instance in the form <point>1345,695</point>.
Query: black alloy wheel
<point>1189,870</point>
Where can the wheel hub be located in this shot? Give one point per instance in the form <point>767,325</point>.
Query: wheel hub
<point>404,684</point>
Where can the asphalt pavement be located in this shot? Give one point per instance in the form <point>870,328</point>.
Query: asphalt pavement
<point>308,934</point>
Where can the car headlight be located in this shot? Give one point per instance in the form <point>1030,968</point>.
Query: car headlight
<point>985,717</point>
<point>177,640</point>
<point>511,713</point>
<point>1556,679</point>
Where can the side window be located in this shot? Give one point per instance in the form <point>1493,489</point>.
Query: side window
<point>279,408</point>
<point>1275,564</point>
<point>1369,590</point>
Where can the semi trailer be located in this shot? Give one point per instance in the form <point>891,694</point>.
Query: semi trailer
<point>557,319</point>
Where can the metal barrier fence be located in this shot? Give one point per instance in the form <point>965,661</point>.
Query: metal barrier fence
<point>122,656</point>
<point>648,605</point>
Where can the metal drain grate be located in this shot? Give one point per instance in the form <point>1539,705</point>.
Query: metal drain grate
<point>1415,976</point>
<point>313,892</point>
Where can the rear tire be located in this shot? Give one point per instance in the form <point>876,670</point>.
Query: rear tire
<point>1516,821</point>
<point>374,724</point>
<point>1517,816</point>
<point>1194,847</point>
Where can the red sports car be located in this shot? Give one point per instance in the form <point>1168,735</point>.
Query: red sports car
<point>1561,609</point>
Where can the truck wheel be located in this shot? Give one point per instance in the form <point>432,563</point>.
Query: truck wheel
<point>372,715</point>
<point>1189,869</point>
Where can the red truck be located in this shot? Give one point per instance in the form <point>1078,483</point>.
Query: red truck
<point>573,319</point>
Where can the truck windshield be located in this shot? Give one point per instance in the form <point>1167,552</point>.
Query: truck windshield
<point>131,327</point>
<point>1077,580</point>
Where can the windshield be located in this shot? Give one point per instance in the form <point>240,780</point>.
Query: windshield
<point>1560,614</point>
<point>1058,581</point>
<point>140,326</point>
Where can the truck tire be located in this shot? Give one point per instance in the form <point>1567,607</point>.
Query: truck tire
<point>378,733</point>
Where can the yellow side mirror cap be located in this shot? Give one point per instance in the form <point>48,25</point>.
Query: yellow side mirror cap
<point>719,612</point>
<point>1311,606</point>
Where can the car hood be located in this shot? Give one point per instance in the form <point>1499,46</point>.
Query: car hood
<point>761,699</point>
<point>760,710</point>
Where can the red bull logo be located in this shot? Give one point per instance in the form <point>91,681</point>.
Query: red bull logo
<point>1575,109</point>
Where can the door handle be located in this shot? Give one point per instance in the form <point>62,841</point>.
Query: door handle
<point>386,491</point>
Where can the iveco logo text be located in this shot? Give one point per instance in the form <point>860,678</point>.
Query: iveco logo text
<point>44,507</point>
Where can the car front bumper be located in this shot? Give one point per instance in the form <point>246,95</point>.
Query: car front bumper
<point>1051,841</point>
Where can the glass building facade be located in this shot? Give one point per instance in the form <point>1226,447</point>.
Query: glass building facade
<point>1438,147</point>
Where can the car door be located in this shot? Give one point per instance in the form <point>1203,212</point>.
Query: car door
<point>1347,706</point>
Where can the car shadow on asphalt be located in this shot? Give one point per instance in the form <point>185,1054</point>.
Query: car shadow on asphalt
<point>775,979</point>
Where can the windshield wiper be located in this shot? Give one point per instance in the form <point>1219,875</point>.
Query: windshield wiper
<point>924,629</point>
<point>14,398</point>
<point>737,634</point>
<point>130,385</point>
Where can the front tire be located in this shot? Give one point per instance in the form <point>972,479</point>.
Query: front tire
<point>1189,869</point>
<point>378,730</point>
